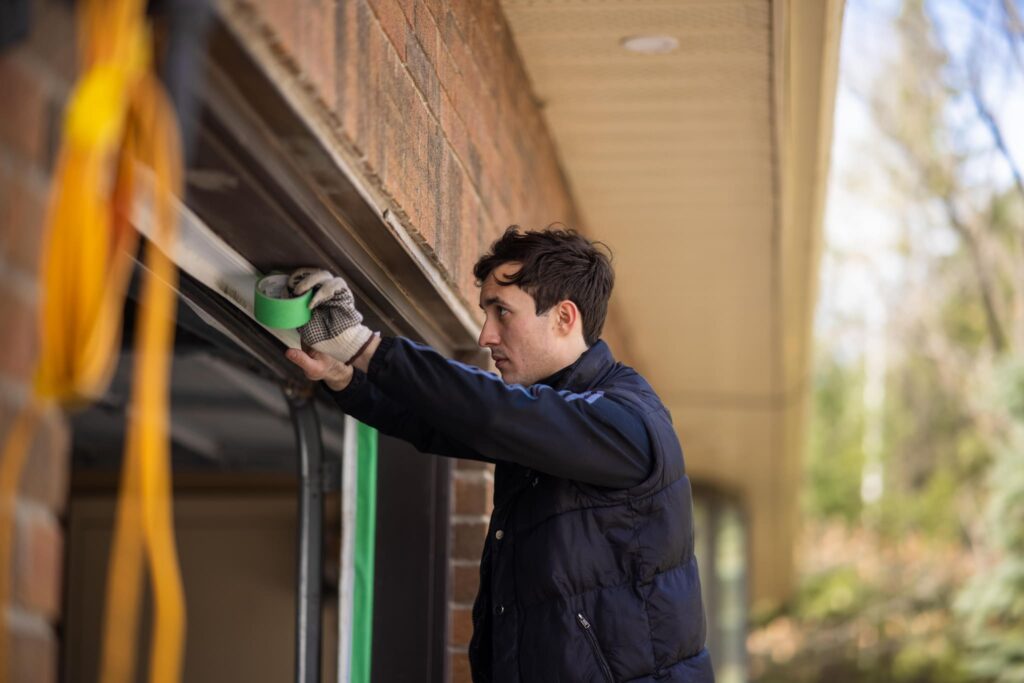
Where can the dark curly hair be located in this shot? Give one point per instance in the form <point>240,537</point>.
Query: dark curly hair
<point>556,265</point>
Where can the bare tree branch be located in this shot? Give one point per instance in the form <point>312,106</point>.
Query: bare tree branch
<point>997,136</point>
<point>926,170</point>
<point>982,271</point>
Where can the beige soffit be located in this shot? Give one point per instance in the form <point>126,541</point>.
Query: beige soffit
<point>703,168</point>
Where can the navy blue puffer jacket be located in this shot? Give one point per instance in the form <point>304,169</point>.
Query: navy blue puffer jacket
<point>588,571</point>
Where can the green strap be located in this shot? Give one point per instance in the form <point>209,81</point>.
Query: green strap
<point>365,549</point>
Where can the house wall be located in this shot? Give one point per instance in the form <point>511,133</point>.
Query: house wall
<point>429,97</point>
<point>432,99</point>
<point>34,83</point>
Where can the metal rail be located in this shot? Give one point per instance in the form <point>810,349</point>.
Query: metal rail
<point>311,519</point>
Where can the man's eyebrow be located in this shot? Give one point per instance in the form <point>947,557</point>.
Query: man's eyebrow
<point>491,300</point>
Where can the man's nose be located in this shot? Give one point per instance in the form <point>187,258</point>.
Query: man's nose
<point>488,336</point>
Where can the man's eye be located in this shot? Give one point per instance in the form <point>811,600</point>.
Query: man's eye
<point>502,311</point>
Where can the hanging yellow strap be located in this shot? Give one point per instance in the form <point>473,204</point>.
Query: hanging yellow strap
<point>118,117</point>
<point>145,500</point>
<point>16,448</point>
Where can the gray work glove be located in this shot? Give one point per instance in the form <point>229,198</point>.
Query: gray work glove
<point>336,327</point>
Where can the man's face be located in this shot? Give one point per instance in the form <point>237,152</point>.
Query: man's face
<point>521,342</point>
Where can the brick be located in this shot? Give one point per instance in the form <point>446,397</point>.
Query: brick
<point>468,540</point>
<point>409,10</point>
<point>482,38</point>
<point>465,583</point>
<point>437,178</point>
<point>281,19</point>
<point>20,323</point>
<point>315,50</point>
<point>462,16</point>
<point>407,167</point>
<point>38,558</point>
<point>459,662</point>
<point>462,60</point>
<point>54,134</point>
<point>469,231</point>
<point>391,18</point>
<point>351,49</point>
<point>52,42</point>
<point>447,71</point>
<point>451,218</point>
<point>423,74</point>
<point>22,126</point>
<point>460,626</point>
<point>485,188</point>
<point>33,656</point>
<point>375,65</point>
<point>47,470</point>
<point>437,9</point>
<point>44,478</point>
<point>24,224</point>
<point>473,496</point>
<point>428,34</point>
<point>7,181</point>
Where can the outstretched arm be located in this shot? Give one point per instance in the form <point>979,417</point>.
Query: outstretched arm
<point>587,437</point>
<point>419,395</point>
<point>358,397</point>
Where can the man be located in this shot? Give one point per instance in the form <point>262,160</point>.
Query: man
<point>588,572</point>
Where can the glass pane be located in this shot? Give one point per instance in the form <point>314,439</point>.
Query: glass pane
<point>731,599</point>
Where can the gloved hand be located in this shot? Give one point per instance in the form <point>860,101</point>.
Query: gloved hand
<point>336,327</point>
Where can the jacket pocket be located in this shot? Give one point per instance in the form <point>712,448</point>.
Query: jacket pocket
<point>595,646</point>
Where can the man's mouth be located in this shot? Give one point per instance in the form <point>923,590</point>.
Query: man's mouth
<point>499,361</point>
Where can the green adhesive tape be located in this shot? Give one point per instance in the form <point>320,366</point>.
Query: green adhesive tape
<point>275,307</point>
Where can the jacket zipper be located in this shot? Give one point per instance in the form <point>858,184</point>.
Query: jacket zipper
<point>585,625</point>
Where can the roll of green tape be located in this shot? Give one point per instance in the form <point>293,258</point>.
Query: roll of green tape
<point>275,307</point>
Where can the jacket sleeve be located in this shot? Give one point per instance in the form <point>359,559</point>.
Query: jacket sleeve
<point>586,437</point>
<point>365,402</point>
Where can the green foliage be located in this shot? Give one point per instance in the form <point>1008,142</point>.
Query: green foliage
<point>992,603</point>
<point>963,319</point>
<point>869,611</point>
<point>833,595</point>
<point>931,450</point>
<point>835,451</point>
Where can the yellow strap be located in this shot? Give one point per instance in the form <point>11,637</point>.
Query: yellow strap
<point>16,448</point>
<point>150,396</point>
<point>118,116</point>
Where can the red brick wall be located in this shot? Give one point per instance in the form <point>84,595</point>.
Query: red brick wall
<point>34,80</point>
<point>472,494</point>
<point>433,99</point>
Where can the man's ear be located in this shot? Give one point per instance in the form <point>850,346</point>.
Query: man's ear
<point>568,316</point>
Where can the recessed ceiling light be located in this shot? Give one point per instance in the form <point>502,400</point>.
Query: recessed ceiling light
<point>650,45</point>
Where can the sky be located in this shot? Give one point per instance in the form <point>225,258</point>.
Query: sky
<point>866,215</point>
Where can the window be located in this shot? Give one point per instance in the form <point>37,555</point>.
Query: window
<point>721,547</point>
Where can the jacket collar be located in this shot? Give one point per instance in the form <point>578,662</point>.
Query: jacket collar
<point>587,369</point>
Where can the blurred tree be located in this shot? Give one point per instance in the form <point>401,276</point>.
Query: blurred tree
<point>835,450</point>
<point>883,572</point>
<point>992,603</point>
